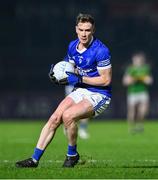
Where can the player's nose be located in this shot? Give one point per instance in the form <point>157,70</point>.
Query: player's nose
<point>83,34</point>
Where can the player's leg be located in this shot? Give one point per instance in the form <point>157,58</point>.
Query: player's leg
<point>143,108</point>
<point>83,129</point>
<point>47,134</point>
<point>68,90</point>
<point>83,109</point>
<point>54,121</point>
<point>88,104</point>
<point>131,112</point>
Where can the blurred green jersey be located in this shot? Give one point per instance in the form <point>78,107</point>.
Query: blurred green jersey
<point>138,73</point>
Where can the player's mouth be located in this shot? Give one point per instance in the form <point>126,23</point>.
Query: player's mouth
<point>82,39</point>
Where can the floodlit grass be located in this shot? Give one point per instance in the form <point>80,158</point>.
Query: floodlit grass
<point>111,152</point>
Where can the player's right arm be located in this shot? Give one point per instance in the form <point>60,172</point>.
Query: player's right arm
<point>128,80</point>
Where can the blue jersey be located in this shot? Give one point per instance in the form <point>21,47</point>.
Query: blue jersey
<point>88,61</point>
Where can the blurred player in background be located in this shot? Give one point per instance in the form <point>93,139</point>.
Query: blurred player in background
<point>83,124</point>
<point>137,78</point>
<point>91,96</point>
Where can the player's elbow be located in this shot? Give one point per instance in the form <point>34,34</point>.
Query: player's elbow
<point>125,83</point>
<point>107,82</point>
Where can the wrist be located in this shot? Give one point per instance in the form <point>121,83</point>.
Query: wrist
<point>82,79</point>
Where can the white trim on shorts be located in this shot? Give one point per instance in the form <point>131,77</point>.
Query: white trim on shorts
<point>99,101</point>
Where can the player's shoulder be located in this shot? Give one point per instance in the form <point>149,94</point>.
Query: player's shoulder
<point>100,46</point>
<point>131,69</point>
<point>73,43</point>
<point>102,51</point>
<point>147,66</point>
<point>98,43</point>
<point>130,66</point>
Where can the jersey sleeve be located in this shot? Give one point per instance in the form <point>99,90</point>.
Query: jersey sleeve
<point>148,70</point>
<point>103,59</point>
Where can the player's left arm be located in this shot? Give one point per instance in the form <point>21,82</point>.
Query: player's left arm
<point>148,79</point>
<point>104,78</point>
<point>104,72</point>
<point>104,68</point>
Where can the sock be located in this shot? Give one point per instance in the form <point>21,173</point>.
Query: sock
<point>37,154</point>
<point>83,125</point>
<point>72,150</point>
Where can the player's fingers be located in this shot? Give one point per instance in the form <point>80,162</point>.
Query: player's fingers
<point>69,73</point>
<point>51,73</point>
<point>53,79</point>
<point>63,81</point>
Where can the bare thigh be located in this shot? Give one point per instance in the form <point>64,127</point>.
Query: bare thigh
<point>64,105</point>
<point>81,110</point>
<point>143,108</point>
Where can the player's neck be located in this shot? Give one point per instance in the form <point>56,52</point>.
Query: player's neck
<point>82,46</point>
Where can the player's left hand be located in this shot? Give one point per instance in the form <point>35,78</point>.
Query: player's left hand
<point>72,79</point>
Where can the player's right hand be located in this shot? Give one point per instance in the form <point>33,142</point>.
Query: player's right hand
<point>51,75</point>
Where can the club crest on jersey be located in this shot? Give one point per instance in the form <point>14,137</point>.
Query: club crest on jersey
<point>88,61</point>
<point>80,58</point>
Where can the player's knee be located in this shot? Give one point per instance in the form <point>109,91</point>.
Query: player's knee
<point>54,121</point>
<point>67,118</point>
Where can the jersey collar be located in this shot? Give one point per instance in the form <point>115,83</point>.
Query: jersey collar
<point>84,49</point>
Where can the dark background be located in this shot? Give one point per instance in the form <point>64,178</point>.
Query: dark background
<point>35,34</point>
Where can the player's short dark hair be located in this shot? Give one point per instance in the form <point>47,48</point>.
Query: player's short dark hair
<point>85,18</point>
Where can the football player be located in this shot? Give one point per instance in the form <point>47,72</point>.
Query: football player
<point>91,95</point>
<point>137,78</point>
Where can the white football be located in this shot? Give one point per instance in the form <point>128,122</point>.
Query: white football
<point>61,68</point>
